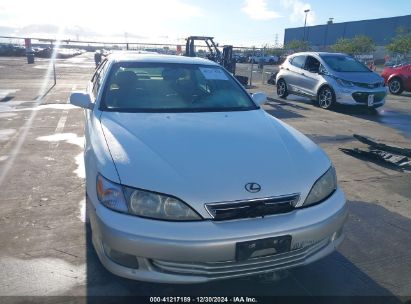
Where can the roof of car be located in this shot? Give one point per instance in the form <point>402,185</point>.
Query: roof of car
<point>318,53</point>
<point>154,57</point>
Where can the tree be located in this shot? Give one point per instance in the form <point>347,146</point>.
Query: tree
<point>297,45</point>
<point>363,45</point>
<point>401,43</point>
<point>278,52</point>
<point>355,46</point>
<point>343,45</point>
<point>275,51</point>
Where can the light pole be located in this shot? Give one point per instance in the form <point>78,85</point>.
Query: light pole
<point>305,21</point>
<point>330,21</point>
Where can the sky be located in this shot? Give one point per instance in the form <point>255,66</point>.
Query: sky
<point>237,22</point>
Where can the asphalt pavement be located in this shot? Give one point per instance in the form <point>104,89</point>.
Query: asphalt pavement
<point>45,245</point>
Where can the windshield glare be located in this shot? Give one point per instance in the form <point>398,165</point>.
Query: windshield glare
<point>162,87</point>
<point>341,63</point>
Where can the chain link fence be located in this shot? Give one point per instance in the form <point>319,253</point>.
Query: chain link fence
<point>257,64</point>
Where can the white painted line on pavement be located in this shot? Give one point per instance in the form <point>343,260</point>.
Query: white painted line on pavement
<point>62,121</point>
<point>70,138</point>
<point>27,125</point>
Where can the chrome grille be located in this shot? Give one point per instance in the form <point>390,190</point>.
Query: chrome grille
<point>362,97</point>
<point>369,85</point>
<point>219,270</point>
<point>252,208</point>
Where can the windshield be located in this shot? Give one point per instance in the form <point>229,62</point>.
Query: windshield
<point>342,63</point>
<point>165,87</point>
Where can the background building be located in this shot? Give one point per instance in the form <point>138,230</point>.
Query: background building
<point>320,37</point>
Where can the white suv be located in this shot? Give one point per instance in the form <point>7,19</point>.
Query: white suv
<point>263,59</point>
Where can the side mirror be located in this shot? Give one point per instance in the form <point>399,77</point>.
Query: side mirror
<point>259,98</point>
<point>322,71</point>
<point>81,99</point>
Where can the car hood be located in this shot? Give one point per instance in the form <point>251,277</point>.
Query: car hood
<point>210,157</point>
<point>366,77</point>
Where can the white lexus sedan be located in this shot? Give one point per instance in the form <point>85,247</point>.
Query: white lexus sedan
<point>189,180</point>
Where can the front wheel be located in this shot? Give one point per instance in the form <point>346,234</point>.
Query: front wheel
<point>395,86</point>
<point>282,91</point>
<point>372,111</point>
<point>85,210</point>
<point>326,98</point>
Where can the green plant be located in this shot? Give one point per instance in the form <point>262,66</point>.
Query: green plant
<point>358,45</point>
<point>401,43</point>
<point>297,45</point>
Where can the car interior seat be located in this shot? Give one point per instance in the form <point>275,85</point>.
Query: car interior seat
<point>125,95</point>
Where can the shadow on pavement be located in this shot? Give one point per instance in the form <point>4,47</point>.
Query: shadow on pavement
<point>406,94</point>
<point>7,98</point>
<point>284,102</point>
<point>374,253</point>
<point>395,119</point>
<point>330,139</point>
<point>283,110</point>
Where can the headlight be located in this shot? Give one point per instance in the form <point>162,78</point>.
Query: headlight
<point>159,206</point>
<point>322,188</point>
<point>143,203</point>
<point>344,83</point>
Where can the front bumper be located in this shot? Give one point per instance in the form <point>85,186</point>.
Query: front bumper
<point>359,96</point>
<point>196,252</point>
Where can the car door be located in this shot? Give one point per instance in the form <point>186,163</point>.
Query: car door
<point>93,89</point>
<point>407,78</point>
<point>310,77</point>
<point>295,71</point>
<point>92,121</point>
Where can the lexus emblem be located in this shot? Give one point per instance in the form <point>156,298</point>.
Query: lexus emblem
<point>253,187</point>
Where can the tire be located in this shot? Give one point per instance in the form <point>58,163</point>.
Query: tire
<point>372,111</point>
<point>282,91</point>
<point>87,206</point>
<point>395,86</point>
<point>326,98</point>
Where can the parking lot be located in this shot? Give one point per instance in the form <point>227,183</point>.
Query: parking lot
<point>45,243</point>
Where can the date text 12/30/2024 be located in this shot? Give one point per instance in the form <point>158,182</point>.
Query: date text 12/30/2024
<point>203,300</point>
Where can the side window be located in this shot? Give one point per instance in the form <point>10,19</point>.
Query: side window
<point>98,78</point>
<point>312,65</point>
<point>298,61</point>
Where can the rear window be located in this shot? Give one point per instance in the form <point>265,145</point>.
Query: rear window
<point>341,63</point>
<point>166,87</point>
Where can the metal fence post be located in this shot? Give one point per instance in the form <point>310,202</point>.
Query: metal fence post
<point>252,67</point>
<point>54,71</point>
<point>263,65</point>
